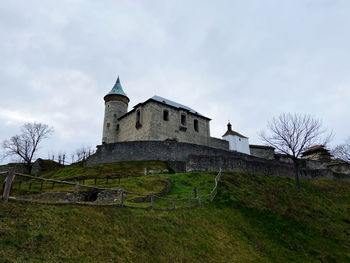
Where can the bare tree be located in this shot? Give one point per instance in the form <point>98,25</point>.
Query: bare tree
<point>26,144</point>
<point>83,152</point>
<point>292,134</point>
<point>342,151</point>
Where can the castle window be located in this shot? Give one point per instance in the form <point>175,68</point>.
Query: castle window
<point>165,115</point>
<point>115,115</point>
<point>117,129</point>
<point>195,124</point>
<point>138,118</point>
<point>108,124</point>
<point>183,119</point>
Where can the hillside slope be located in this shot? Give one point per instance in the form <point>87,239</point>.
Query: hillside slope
<point>254,219</point>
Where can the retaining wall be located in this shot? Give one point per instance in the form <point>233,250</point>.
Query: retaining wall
<point>188,157</point>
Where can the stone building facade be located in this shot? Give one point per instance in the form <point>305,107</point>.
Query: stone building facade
<point>156,119</point>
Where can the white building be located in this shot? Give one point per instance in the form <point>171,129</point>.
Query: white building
<point>237,142</point>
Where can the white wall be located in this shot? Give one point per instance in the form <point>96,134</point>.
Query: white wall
<point>237,143</point>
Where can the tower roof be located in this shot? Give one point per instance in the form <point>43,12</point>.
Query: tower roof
<point>117,89</point>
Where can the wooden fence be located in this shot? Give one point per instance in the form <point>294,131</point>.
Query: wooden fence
<point>121,193</point>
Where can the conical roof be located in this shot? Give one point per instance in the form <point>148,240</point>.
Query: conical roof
<point>117,89</point>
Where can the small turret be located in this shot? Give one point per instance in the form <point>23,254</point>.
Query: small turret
<point>116,105</point>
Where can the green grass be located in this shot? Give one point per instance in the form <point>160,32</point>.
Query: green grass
<point>77,171</point>
<point>254,218</point>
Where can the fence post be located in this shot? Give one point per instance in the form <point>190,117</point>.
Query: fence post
<point>152,201</point>
<point>95,180</point>
<point>8,185</point>
<point>41,186</point>
<point>145,171</point>
<point>122,197</point>
<point>83,179</point>
<point>199,201</point>
<point>76,191</point>
<point>30,186</point>
<point>194,191</point>
<point>107,177</point>
<point>174,207</point>
<point>53,185</point>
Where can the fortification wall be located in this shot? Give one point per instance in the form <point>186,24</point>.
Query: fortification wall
<point>218,143</point>
<point>152,150</point>
<point>183,157</point>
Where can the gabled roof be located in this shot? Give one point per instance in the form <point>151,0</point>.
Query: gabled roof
<point>231,132</point>
<point>168,103</point>
<point>174,104</point>
<point>117,89</point>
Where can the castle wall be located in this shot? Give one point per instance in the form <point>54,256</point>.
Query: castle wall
<point>262,152</point>
<point>154,127</point>
<point>192,157</point>
<point>128,131</point>
<point>113,110</point>
<point>218,143</point>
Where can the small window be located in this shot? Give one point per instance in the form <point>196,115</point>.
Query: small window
<point>195,124</point>
<point>138,124</point>
<point>117,129</point>
<point>115,115</point>
<point>165,115</point>
<point>108,124</point>
<point>183,119</point>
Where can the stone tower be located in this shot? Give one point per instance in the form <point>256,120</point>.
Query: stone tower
<point>116,105</point>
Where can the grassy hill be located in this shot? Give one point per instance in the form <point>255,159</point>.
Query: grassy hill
<point>255,218</point>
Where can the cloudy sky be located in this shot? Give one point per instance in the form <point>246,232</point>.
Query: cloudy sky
<point>243,61</point>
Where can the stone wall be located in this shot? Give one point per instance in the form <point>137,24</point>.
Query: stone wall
<point>113,110</point>
<point>151,150</point>
<point>262,151</point>
<point>154,127</point>
<point>218,143</point>
<point>191,157</point>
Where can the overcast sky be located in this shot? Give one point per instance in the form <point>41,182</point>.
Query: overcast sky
<point>243,61</point>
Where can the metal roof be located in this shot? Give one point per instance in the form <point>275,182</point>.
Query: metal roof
<point>117,89</point>
<point>175,104</point>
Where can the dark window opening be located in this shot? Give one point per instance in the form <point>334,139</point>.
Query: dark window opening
<point>117,129</point>
<point>138,118</point>
<point>183,119</point>
<point>108,124</point>
<point>165,115</point>
<point>195,124</point>
<point>115,115</point>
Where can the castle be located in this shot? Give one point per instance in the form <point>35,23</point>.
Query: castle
<point>163,130</point>
<point>160,119</point>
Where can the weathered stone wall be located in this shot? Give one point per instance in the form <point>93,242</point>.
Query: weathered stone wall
<point>153,127</point>
<point>127,126</point>
<point>262,152</point>
<point>151,150</point>
<point>234,163</point>
<point>191,157</point>
<point>113,110</point>
<point>218,143</point>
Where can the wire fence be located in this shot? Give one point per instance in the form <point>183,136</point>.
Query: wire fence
<point>27,188</point>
